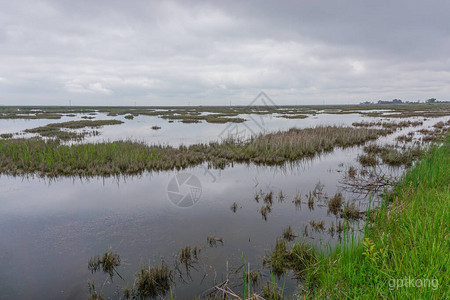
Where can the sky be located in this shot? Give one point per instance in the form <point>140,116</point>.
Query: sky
<point>107,52</point>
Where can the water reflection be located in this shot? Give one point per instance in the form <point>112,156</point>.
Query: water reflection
<point>50,228</point>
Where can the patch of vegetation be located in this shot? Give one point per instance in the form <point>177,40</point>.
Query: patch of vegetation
<point>50,158</point>
<point>368,160</point>
<point>212,240</point>
<point>299,258</point>
<point>351,212</point>
<point>317,225</point>
<point>234,207</point>
<point>55,129</point>
<point>391,155</point>
<point>6,135</point>
<point>297,200</point>
<point>391,125</point>
<point>335,203</point>
<point>153,281</point>
<point>288,234</point>
<point>108,263</point>
<point>224,114</point>
<point>407,242</point>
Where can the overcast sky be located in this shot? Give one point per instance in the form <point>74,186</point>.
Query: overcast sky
<point>222,52</point>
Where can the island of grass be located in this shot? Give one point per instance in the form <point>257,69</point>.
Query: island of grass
<point>50,158</point>
<point>55,129</point>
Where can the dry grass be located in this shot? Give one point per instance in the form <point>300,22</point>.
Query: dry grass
<point>54,130</point>
<point>368,160</point>
<point>391,155</point>
<point>24,156</point>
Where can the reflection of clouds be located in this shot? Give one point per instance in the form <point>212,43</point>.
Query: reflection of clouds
<point>178,133</point>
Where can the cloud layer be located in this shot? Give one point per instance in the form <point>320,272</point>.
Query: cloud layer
<point>217,52</point>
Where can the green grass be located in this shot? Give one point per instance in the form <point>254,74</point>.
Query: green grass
<point>408,239</point>
<point>25,156</point>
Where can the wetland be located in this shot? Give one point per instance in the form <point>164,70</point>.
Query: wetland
<point>201,201</point>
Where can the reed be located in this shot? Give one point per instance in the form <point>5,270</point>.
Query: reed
<point>153,281</point>
<point>108,263</point>
<point>408,238</point>
<point>299,258</point>
<point>50,158</point>
<point>288,234</point>
<point>234,207</point>
<point>335,203</point>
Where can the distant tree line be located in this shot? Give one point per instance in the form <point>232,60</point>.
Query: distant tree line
<point>398,101</point>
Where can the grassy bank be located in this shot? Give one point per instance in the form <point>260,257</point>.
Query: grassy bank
<point>406,246</point>
<point>27,156</point>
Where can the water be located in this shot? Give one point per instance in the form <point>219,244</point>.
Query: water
<point>50,228</point>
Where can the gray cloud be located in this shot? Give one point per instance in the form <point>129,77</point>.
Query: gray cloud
<point>202,52</point>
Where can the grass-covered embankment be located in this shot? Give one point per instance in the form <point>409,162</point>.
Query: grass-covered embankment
<point>28,156</point>
<point>405,254</point>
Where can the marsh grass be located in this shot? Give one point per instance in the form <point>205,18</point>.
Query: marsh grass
<point>404,138</point>
<point>49,158</point>
<point>271,291</point>
<point>351,172</point>
<point>234,207</point>
<point>368,160</point>
<point>224,114</point>
<point>54,130</point>
<point>389,125</point>
<point>265,210</point>
<point>391,155</point>
<point>297,200</point>
<point>153,281</point>
<point>335,203</point>
<point>252,277</point>
<point>310,201</point>
<point>298,258</point>
<point>407,239</point>
<point>317,225</point>
<point>108,263</point>
<point>212,240</point>
<point>281,196</point>
<point>93,293</point>
<point>268,198</point>
<point>288,234</point>
<point>185,255</point>
<point>351,212</point>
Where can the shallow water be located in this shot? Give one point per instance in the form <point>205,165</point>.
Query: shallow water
<point>50,228</point>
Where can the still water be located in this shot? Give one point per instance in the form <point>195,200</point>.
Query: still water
<point>50,228</point>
